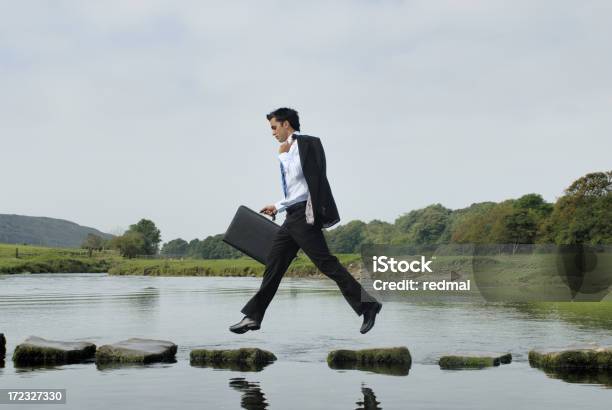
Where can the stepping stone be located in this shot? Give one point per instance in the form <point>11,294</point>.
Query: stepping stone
<point>389,355</point>
<point>474,360</point>
<point>35,351</point>
<point>136,350</point>
<point>246,358</point>
<point>391,360</point>
<point>575,358</point>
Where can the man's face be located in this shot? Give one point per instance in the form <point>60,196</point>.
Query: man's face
<point>281,131</point>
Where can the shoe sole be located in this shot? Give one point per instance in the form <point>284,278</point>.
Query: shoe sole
<point>377,312</point>
<point>244,329</point>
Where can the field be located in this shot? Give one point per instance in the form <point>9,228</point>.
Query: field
<point>35,259</point>
<point>38,259</point>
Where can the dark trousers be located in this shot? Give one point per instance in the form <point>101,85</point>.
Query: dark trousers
<point>294,234</point>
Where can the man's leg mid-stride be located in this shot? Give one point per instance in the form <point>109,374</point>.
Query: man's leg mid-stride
<point>311,240</point>
<point>294,234</point>
<point>283,251</point>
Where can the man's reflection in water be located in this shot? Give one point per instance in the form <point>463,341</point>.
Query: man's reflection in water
<point>254,399</point>
<point>252,396</point>
<point>369,400</point>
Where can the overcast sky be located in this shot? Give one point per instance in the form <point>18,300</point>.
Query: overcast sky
<point>112,111</point>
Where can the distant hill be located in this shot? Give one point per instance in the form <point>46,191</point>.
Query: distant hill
<point>37,230</point>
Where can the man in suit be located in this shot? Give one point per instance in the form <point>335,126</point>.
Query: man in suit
<point>310,206</point>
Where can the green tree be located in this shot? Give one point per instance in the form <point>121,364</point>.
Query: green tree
<point>534,202</point>
<point>151,235</point>
<point>378,232</point>
<point>483,225</point>
<point>93,242</point>
<point>519,227</point>
<point>130,244</point>
<point>176,247</point>
<point>193,249</point>
<point>458,217</point>
<point>422,226</point>
<point>346,238</point>
<point>521,223</point>
<point>212,247</point>
<point>593,185</point>
<point>583,214</point>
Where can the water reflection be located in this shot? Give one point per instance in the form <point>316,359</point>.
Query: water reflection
<point>37,368</point>
<point>369,400</point>
<point>392,370</point>
<point>239,367</point>
<point>252,396</point>
<point>600,377</point>
<point>118,365</point>
<point>147,298</point>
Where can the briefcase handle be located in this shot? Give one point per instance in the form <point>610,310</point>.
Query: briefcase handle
<point>273,217</point>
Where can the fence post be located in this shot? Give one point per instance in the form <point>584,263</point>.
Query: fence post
<point>17,253</point>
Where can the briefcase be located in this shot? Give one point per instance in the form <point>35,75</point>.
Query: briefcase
<point>251,233</point>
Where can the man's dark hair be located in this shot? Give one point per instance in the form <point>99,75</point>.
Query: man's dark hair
<point>286,114</point>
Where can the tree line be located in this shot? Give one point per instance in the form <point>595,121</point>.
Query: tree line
<point>582,215</point>
<point>141,238</point>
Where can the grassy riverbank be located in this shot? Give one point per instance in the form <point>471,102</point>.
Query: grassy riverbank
<point>301,267</point>
<point>500,276</point>
<point>38,259</point>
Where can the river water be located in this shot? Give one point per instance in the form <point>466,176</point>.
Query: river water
<point>307,319</point>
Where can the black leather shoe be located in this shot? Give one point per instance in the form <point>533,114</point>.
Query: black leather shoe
<point>369,316</point>
<point>245,325</point>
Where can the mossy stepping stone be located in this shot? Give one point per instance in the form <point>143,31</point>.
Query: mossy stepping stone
<point>474,360</point>
<point>244,359</point>
<point>578,358</point>
<point>388,355</point>
<point>35,351</point>
<point>389,360</point>
<point>136,350</point>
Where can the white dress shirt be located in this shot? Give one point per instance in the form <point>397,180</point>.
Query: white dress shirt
<point>297,189</point>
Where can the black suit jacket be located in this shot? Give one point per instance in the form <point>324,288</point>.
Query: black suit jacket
<point>312,158</point>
